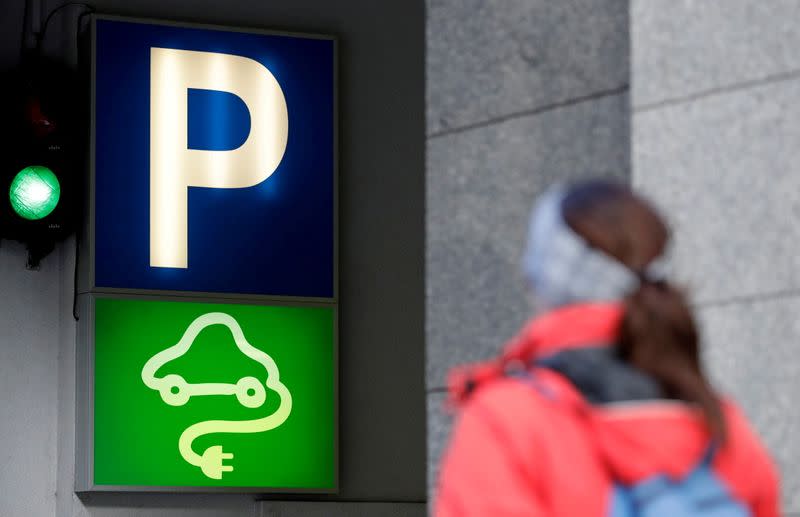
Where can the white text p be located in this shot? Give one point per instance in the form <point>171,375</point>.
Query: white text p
<point>174,167</point>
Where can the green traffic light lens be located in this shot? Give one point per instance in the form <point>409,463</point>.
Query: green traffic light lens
<point>34,192</point>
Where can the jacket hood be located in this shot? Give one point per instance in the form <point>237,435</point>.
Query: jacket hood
<point>568,328</point>
<point>637,431</point>
<point>639,439</point>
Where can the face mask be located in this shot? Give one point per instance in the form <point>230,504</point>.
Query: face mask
<point>563,269</point>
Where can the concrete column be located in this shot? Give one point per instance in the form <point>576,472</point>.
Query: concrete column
<point>29,312</point>
<point>716,123</point>
<point>521,93</point>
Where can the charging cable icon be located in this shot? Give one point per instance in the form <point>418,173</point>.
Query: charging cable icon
<point>249,391</point>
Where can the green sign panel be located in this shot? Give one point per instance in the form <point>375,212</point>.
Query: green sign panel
<point>213,395</point>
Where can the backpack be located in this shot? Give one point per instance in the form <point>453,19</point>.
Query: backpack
<point>700,494</point>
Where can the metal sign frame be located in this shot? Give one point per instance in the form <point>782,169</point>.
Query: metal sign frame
<point>87,292</point>
<point>87,279</point>
<point>84,411</point>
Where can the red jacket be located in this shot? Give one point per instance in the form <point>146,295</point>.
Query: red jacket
<point>528,450</point>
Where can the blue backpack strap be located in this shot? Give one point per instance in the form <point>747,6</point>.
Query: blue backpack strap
<point>529,378</point>
<point>701,492</point>
<point>708,456</point>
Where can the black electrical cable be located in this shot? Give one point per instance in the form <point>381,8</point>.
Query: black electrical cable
<point>75,280</point>
<point>24,26</point>
<point>41,35</point>
<point>81,16</point>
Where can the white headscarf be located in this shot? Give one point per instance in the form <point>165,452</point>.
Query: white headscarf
<point>564,269</point>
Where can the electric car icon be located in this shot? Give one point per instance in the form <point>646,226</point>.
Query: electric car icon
<point>249,391</point>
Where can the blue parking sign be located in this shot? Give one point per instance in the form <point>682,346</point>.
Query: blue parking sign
<point>214,160</point>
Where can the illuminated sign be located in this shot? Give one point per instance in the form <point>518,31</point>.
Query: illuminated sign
<point>191,394</point>
<point>175,167</point>
<point>207,340</point>
<point>213,161</point>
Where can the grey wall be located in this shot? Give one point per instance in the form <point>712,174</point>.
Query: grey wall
<point>520,93</point>
<point>716,96</point>
<point>29,314</point>
<point>382,132</point>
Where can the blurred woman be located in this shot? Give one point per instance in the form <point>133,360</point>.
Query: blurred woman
<point>600,406</point>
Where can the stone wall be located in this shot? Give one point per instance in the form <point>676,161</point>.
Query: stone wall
<point>521,93</point>
<point>716,127</point>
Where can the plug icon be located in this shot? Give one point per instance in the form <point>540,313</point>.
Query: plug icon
<point>249,391</point>
<point>211,462</point>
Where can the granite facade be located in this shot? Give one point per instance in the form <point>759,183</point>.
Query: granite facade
<point>521,94</point>
<point>716,88</point>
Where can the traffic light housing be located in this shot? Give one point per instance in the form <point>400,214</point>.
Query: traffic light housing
<point>41,134</point>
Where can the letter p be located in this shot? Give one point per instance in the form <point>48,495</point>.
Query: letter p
<point>174,167</point>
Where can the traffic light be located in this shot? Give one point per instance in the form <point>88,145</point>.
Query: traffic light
<point>38,168</point>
